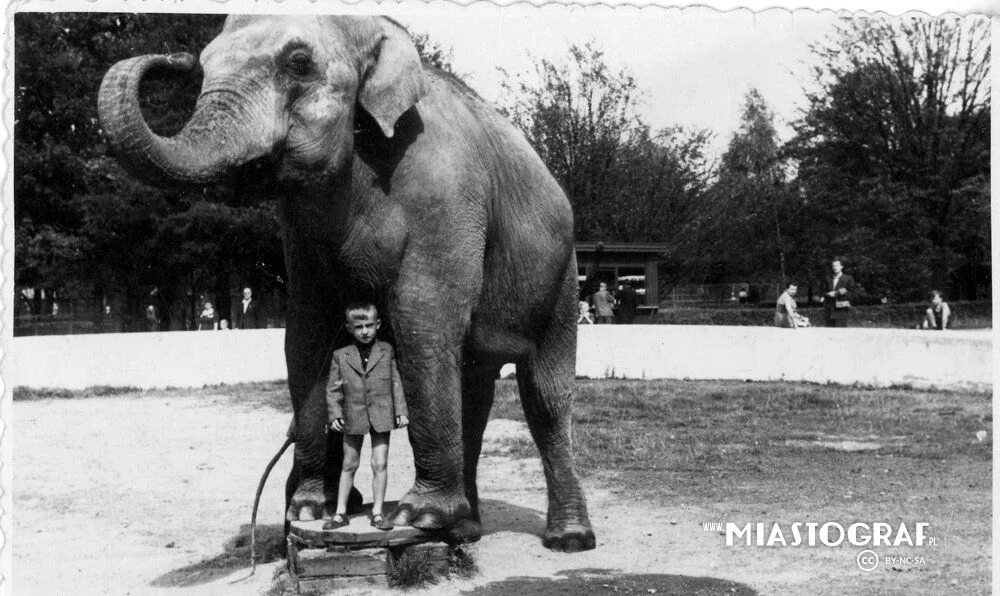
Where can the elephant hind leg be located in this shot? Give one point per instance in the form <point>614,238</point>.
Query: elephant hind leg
<point>545,380</point>
<point>478,386</point>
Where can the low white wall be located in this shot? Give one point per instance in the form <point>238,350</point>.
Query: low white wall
<point>148,360</point>
<point>876,357</point>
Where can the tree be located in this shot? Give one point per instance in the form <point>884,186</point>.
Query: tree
<point>893,151</point>
<point>433,53</point>
<point>83,227</point>
<point>625,182</point>
<point>748,224</point>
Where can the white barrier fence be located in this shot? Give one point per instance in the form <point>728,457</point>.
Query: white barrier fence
<point>874,357</point>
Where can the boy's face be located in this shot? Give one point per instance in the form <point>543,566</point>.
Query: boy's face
<point>363,326</point>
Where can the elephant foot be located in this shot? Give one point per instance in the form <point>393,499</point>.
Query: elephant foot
<point>569,538</point>
<point>432,510</point>
<point>310,502</point>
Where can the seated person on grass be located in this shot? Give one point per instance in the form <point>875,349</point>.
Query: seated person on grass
<point>364,396</point>
<point>938,316</point>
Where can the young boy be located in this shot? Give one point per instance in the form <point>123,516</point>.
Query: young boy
<point>364,396</point>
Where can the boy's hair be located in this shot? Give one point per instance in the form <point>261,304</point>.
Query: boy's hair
<point>937,293</point>
<point>356,311</point>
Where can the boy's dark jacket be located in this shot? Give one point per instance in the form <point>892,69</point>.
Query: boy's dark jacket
<point>366,398</point>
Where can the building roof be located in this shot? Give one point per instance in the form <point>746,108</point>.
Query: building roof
<point>621,247</point>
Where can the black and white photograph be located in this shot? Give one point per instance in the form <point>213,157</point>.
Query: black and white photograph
<point>441,298</point>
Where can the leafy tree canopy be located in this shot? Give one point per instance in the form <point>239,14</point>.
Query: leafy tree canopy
<point>626,182</point>
<point>83,227</point>
<point>893,151</point>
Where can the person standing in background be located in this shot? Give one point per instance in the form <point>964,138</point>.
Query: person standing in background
<point>604,306</point>
<point>248,315</point>
<point>628,302</point>
<point>837,299</point>
<point>152,321</point>
<point>207,321</point>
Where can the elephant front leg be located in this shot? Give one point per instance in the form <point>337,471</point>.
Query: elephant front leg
<point>311,489</point>
<point>432,380</point>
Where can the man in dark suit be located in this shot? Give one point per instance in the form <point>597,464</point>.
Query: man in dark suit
<point>837,299</point>
<point>628,301</point>
<point>248,313</point>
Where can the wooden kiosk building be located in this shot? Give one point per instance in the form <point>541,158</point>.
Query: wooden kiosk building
<point>619,262</point>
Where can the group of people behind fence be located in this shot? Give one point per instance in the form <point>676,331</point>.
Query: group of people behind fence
<point>248,314</point>
<point>838,292</point>
<point>604,304</point>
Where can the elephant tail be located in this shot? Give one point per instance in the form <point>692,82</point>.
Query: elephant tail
<point>256,502</point>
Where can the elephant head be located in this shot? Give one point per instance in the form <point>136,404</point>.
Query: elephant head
<point>286,90</point>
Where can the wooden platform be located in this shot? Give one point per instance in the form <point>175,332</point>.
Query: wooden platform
<point>357,534</point>
<point>357,556</point>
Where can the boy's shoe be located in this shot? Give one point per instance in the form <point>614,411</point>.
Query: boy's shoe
<point>339,520</point>
<point>380,522</point>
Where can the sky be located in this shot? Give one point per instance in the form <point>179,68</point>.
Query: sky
<point>695,65</point>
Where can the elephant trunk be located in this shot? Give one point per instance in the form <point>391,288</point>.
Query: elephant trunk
<point>225,131</point>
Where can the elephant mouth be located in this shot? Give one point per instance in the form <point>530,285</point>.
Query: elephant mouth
<point>254,180</point>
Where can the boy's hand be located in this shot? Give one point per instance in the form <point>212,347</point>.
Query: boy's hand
<point>338,425</point>
<point>401,421</point>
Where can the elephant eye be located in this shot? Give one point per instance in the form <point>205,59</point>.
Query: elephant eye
<point>299,64</point>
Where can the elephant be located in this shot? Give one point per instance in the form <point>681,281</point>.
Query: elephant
<point>396,184</point>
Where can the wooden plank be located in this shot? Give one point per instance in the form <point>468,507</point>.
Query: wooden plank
<point>319,562</point>
<point>350,585</point>
<point>358,533</point>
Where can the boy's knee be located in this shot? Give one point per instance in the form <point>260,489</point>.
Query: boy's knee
<point>350,466</point>
<point>379,465</point>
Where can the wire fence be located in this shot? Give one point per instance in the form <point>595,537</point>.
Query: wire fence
<point>718,295</point>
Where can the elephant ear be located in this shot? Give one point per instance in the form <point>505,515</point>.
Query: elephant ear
<point>395,81</point>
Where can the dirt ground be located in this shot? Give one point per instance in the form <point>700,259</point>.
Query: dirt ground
<point>152,494</point>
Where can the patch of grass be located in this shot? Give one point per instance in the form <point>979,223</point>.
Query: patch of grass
<point>411,568</point>
<point>517,446</point>
<point>507,401</point>
<point>683,426</point>
<point>461,564</point>
<point>102,390</point>
<point>33,394</point>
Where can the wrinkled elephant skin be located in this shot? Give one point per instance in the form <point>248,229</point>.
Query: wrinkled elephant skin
<point>398,185</point>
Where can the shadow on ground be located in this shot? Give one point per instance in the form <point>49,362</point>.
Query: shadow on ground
<point>609,581</point>
<point>497,516</point>
<point>235,555</point>
<point>501,516</point>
